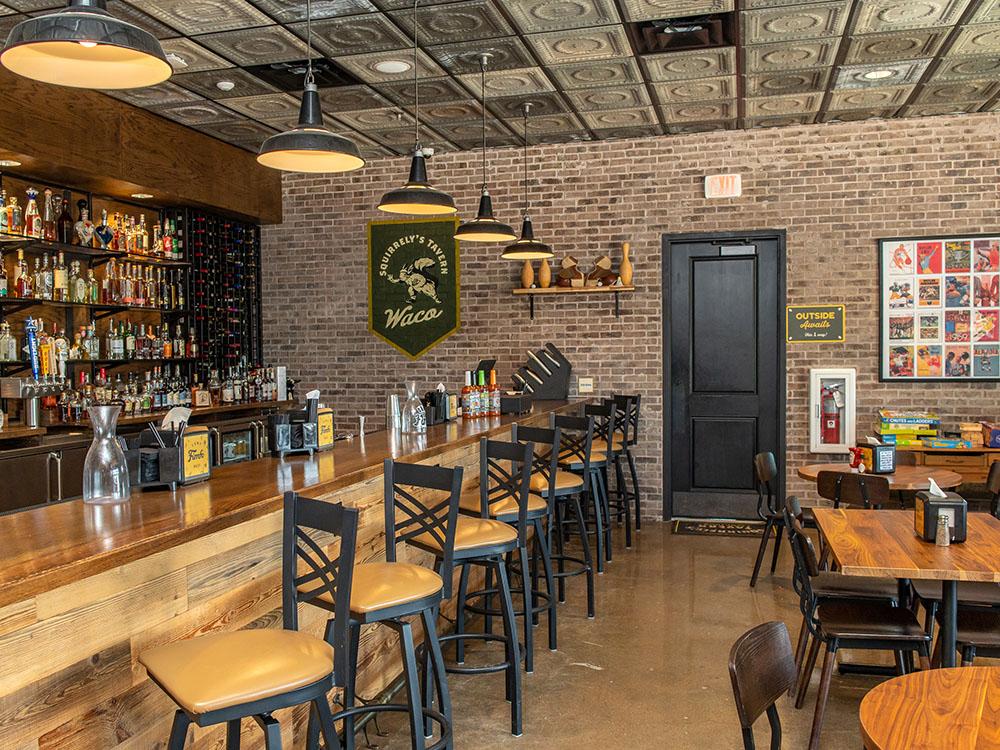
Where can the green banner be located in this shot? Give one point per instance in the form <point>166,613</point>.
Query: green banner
<point>413,283</point>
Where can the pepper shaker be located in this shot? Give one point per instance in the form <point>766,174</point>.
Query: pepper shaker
<point>942,537</point>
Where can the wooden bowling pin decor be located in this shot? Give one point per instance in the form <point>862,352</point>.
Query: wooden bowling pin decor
<point>544,274</point>
<point>625,269</point>
<point>527,275</point>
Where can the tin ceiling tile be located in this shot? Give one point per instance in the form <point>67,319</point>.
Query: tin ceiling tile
<point>881,98</point>
<point>795,22</point>
<point>507,52</point>
<point>240,130</point>
<point>781,121</point>
<point>577,136</point>
<point>773,106</point>
<point>501,140</point>
<point>203,16</point>
<point>206,83</point>
<point>408,4</point>
<point>855,115</point>
<point>28,6</point>
<point>559,123</point>
<point>549,15</point>
<point>351,98</point>
<point>290,11</point>
<point>977,40</point>
<point>287,123</point>
<point>791,55</point>
<point>580,45</point>
<point>685,128</point>
<point>698,112</point>
<point>901,45</point>
<point>675,66</point>
<point>882,74</point>
<point>153,96</point>
<point>640,131</point>
<point>448,112</point>
<point>542,103</point>
<point>977,66</point>
<point>620,118</point>
<point>363,66</point>
<point>989,12</point>
<point>196,113</point>
<point>599,73</point>
<point>696,90</point>
<point>890,15</point>
<point>471,131</point>
<point>372,32</point>
<point>431,90</point>
<point>279,106</point>
<point>186,56</point>
<point>130,13</point>
<point>957,91</point>
<point>933,110</point>
<point>788,82</point>
<point>458,22</point>
<point>609,97</point>
<point>377,119</point>
<point>509,82</point>
<point>256,46</point>
<point>652,10</point>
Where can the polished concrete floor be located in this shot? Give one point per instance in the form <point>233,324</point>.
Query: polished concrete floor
<point>651,670</point>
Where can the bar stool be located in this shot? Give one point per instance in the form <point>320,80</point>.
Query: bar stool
<point>620,500</point>
<point>602,448</point>
<point>473,541</point>
<point>503,494</point>
<point>226,677</point>
<point>631,404</point>
<point>576,455</point>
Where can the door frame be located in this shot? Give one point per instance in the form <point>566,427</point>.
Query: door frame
<point>667,241</point>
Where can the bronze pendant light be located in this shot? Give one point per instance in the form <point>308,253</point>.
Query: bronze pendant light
<point>485,227</point>
<point>527,247</point>
<point>84,46</point>
<point>417,197</point>
<point>310,146</point>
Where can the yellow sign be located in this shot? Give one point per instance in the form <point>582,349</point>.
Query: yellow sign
<point>196,458</point>
<point>814,323</point>
<point>324,424</point>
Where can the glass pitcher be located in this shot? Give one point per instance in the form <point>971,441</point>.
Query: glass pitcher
<point>105,472</point>
<point>414,418</point>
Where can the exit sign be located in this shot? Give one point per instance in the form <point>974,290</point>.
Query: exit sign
<point>723,186</point>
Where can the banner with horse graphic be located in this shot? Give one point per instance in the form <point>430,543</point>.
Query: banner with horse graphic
<point>413,283</point>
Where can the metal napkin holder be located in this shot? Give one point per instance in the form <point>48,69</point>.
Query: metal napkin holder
<point>184,458</point>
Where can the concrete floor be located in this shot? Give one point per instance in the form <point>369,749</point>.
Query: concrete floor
<point>651,670</point>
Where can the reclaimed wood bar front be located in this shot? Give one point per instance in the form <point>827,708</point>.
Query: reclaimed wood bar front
<point>85,589</point>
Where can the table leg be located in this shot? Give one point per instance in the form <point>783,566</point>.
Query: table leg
<point>904,592</point>
<point>949,622</point>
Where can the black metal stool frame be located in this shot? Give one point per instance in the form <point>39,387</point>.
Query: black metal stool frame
<point>630,404</point>
<point>576,435</point>
<point>604,421</point>
<point>621,506</point>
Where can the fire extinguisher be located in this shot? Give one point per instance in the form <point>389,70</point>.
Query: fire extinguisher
<point>830,424</point>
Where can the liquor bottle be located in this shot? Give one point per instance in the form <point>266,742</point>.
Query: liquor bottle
<point>142,246</point>
<point>60,346</point>
<point>157,246</point>
<point>168,344</point>
<point>168,240</point>
<point>3,279</point>
<point>178,341</point>
<point>227,390</point>
<point>5,337</point>
<point>179,301</point>
<point>23,286</point>
<point>192,346</point>
<point>4,214</point>
<point>48,218</point>
<point>32,220</point>
<point>76,350</point>
<point>15,221</point>
<point>60,281</point>
<point>103,232</point>
<point>37,280</point>
<point>73,281</point>
<point>467,403</point>
<point>64,224</point>
<point>130,342</point>
<point>83,230</point>
<point>93,288</point>
<point>47,278</point>
<point>494,394</point>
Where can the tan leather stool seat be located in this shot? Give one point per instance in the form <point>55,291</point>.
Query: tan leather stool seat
<point>565,480</point>
<point>382,585</point>
<point>219,671</point>
<point>471,533</point>
<point>600,444</point>
<point>571,459</point>
<point>469,502</point>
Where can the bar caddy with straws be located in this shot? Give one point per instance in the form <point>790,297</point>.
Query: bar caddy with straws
<point>302,430</point>
<point>170,454</point>
<point>546,375</point>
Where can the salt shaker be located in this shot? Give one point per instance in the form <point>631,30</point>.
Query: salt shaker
<point>942,537</point>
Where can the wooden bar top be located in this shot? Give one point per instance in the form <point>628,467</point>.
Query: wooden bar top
<point>19,431</point>
<point>56,544</point>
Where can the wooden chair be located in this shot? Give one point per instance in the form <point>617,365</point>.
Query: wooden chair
<point>761,668</point>
<point>843,488</point>
<point>766,472</point>
<point>993,485</point>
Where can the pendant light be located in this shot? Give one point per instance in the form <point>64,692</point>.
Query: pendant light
<point>417,196</point>
<point>84,46</point>
<point>526,248</point>
<point>310,146</point>
<point>485,228</point>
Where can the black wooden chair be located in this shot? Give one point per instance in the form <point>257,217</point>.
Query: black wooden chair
<point>766,472</point>
<point>853,490</point>
<point>761,668</point>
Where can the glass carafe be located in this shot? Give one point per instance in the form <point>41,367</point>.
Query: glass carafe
<point>105,472</point>
<point>414,418</point>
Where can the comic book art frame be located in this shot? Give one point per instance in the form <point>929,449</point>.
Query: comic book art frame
<point>939,311</point>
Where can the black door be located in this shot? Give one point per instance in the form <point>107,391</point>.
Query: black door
<point>724,352</point>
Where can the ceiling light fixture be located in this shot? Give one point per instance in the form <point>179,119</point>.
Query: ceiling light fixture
<point>225,85</point>
<point>527,247</point>
<point>310,146</point>
<point>142,196</point>
<point>417,196</point>
<point>392,66</point>
<point>878,75</point>
<point>84,46</point>
<point>485,227</point>
<point>9,163</point>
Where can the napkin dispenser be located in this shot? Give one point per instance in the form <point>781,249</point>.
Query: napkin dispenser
<point>878,459</point>
<point>929,505</point>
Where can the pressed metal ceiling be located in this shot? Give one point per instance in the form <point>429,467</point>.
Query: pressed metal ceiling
<point>790,63</point>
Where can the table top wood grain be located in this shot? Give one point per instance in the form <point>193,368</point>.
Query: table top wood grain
<point>937,709</point>
<point>908,478</point>
<point>879,543</point>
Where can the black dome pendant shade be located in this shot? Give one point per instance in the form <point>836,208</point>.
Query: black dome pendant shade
<point>527,247</point>
<point>84,46</point>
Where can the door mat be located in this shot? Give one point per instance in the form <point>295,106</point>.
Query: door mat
<point>718,528</point>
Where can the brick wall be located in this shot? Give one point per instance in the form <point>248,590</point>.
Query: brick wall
<point>835,188</point>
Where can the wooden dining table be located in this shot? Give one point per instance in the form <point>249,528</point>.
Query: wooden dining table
<point>883,543</point>
<point>905,478</point>
<point>937,709</point>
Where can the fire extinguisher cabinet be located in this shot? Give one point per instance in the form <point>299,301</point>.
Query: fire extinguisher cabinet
<point>832,410</point>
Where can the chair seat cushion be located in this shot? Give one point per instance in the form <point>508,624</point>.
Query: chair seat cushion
<point>978,626</point>
<point>838,586</point>
<point>600,444</point>
<point>969,592</point>
<point>504,508</point>
<point>223,670</point>
<point>565,482</point>
<point>868,620</point>
<point>471,533</point>
<point>571,460</point>
<point>382,585</point>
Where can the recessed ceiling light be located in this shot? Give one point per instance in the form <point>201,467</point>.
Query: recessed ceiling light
<point>176,61</point>
<point>392,66</point>
<point>225,85</point>
<point>9,163</point>
<point>142,196</point>
<point>878,75</point>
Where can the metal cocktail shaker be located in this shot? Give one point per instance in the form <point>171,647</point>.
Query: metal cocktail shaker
<point>393,413</point>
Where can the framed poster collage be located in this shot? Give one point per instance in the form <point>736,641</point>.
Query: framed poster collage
<point>939,308</point>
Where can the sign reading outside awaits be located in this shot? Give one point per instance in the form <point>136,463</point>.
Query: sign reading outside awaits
<point>413,283</point>
<point>823,323</point>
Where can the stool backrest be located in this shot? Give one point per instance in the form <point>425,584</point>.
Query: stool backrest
<point>630,404</point>
<point>623,407</point>
<point>576,436</point>
<point>604,421</point>
<point>762,668</point>
<point>545,457</point>
<point>765,468</point>
<point>323,576</point>
<point>843,487</point>
<point>426,498</point>
<point>505,474</point>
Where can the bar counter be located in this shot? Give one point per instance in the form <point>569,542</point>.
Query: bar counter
<point>85,589</point>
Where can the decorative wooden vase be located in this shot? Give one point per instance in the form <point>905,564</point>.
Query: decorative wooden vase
<point>625,269</point>
<point>545,274</point>
<point>527,275</point>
